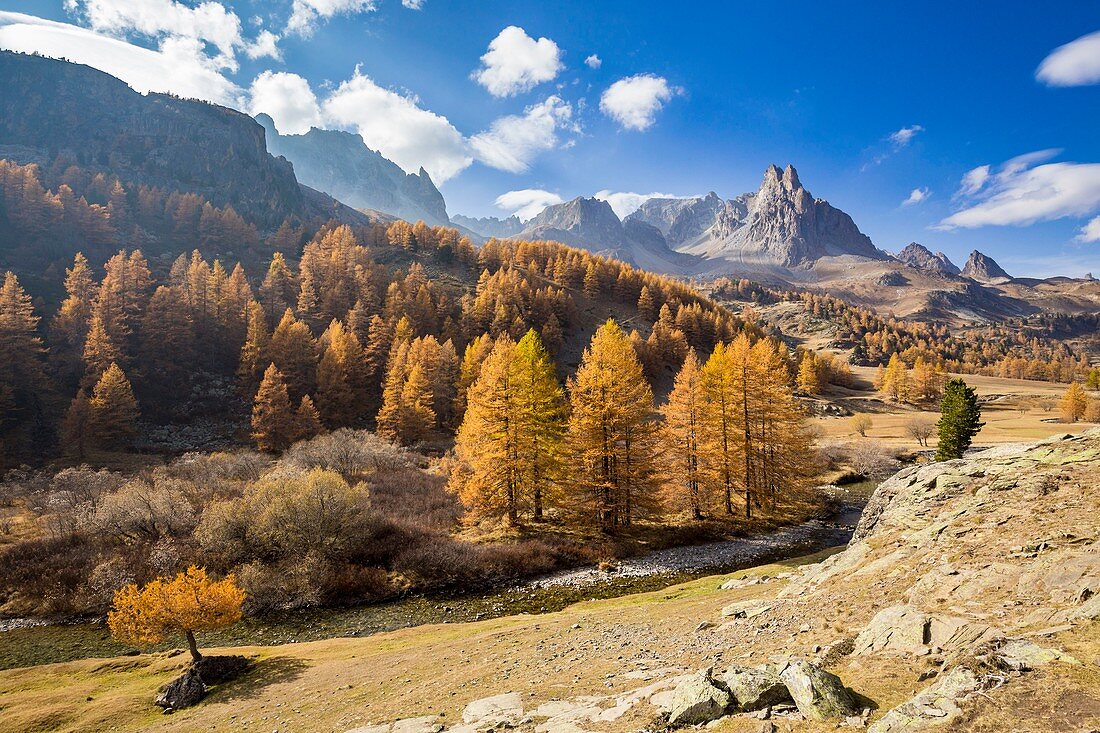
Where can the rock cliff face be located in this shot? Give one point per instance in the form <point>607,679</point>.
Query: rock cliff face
<point>340,164</point>
<point>782,224</point>
<point>984,268</point>
<point>50,108</point>
<point>680,220</point>
<point>918,256</point>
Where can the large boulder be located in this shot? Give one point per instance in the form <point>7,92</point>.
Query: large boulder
<point>819,695</point>
<point>698,699</point>
<point>754,688</point>
<point>182,692</point>
<point>498,709</point>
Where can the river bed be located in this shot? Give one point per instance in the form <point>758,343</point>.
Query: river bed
<point>34,643</point>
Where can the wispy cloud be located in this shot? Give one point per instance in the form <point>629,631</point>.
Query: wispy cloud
<point>901,138</point>
<point>527,203</point>
<point>916,196</point>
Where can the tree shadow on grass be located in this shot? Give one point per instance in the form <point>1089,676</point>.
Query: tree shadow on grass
<point>262,673</point>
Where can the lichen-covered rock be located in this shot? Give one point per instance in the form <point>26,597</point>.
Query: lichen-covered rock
<point>754,688</point>
<point>936,706</point>
<point>182,692</point>
<point>819,695</point>
<point>698,699</point>
<point>746,609</point>
<point>506,708</point>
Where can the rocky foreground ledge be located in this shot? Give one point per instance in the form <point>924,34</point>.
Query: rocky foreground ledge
<point>951,609</point>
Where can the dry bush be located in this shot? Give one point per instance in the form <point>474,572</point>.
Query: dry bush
<point>74,496</point>
<point>871,460</point>
<point>216,475</point>
<point>921,429</point>
<point>861,423</point>
<point>354,454</point>
<point>144,511</point>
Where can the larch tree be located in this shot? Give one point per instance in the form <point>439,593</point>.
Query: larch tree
<point>809,377</point>
<point>894,383</point>
<point>960,420</point>
<point>683,426</point>
<point>21,350</point>
<point>720,446</point>
<point>1074,403</point>
<point>253,352</point>
<point>188,603</point>
<point>70,325</point>
<point>113,409</point>
<point>612,436</point>
<point>100,351</point>
<point>293,350</point>
<point>469,369</point>
<point>417,415</point>
<point>307,420</point>
<point>76,427</point>
<point>782,460</point>
<point>274,423</point>
<point>540,415</point>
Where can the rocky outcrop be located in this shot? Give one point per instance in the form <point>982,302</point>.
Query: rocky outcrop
<point>984,269</point>
<point>490,226</point>
<point>340,164</point>
<point>819,695</point>
<point>935,707</point>
<point>921,258</point>
<point>183,692</point>
<point>52,109</point>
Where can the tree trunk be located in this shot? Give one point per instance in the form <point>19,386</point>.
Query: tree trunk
<point>195,656</point>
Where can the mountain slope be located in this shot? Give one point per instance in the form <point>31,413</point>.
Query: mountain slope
<point>984,269</point>
<point>490,226</point>
<point>53,110</point>
<point>340,164</point>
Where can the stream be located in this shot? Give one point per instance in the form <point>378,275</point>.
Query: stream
<point>26,643</point>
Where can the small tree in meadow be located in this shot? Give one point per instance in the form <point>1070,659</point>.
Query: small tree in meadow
<point>182,605</point>
<point>861,423</point>
<point>960,420</point>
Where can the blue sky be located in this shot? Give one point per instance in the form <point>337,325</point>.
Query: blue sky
<point>683,100</point>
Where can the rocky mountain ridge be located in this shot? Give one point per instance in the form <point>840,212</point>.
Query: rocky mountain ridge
<point>921,258</point>
<point>984,269</point>
<point>340,164</point>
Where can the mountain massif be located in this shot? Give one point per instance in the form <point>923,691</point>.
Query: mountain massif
<point>340,164</point>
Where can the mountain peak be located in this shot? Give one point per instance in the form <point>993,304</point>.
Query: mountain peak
<point>790,178</point>
<point>918,256</point>
<point>983,268</point>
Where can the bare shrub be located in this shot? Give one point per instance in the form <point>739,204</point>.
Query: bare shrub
<point>920,428</point>
<point>106,578</point>
<point>73,498</point>
<point>871,460</point>
<point>354,454</point>
<point>144,510</point>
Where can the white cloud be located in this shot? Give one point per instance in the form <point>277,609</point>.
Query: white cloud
<point>515,63</point>
<point>398,127</point>
<point>1023,192</point>
<point>511,143</point>
<point>305,14</point>
<point>527,203</point>
<point>916,196</point>
<point>1090,232</point>
<point>593,62</point>
<point>905,135</point>
<point>413,4</point>
<point>633,102</point>
<point>973,180</point>
<point>1075,64</point>
<point>265,45</point>
<point>625,203</point>
<point>209,22</point>
<point>288,99</point>
<point>180,66</point>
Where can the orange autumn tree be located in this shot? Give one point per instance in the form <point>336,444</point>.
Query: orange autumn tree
<point>185,604</point>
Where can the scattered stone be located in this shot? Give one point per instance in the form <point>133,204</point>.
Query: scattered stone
<point>819,695</point>
<point>182,692</point>
<point>704,625</point>
<point>698,700</point>
<point>755,689</point>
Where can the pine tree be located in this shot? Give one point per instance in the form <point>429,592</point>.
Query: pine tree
<point>611,434</point>
<point>683,425</point>
<point>1074,403</point>
<point>113,409</point>
<point>960,420</point>
<point>274,422</point>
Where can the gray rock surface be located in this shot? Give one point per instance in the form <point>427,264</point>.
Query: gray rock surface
<point>698,699</point>
<point>819,695</point>
<point>754,688</point>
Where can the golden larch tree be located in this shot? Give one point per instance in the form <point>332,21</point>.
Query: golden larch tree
<point>683,425</point>
<point>113,408</point>
<point>188,603</point>
<point>274,424</point>
<point>1074,402</point>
